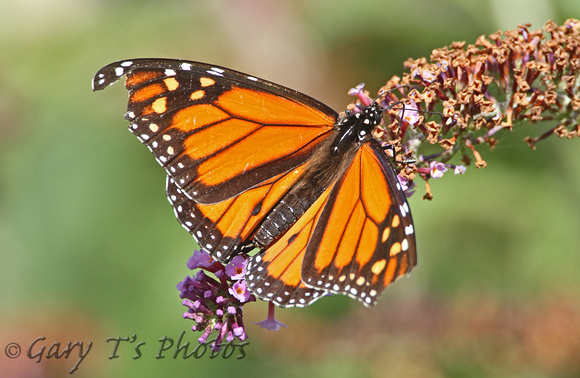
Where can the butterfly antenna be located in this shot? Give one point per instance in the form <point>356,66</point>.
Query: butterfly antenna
<point>403,108</point>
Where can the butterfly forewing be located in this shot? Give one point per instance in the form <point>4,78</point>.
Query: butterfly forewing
<point>218,132</point>
<point>232,144</point>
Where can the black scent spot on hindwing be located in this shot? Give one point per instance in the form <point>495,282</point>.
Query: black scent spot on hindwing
<point>257,209</point>
<point>291,239</point>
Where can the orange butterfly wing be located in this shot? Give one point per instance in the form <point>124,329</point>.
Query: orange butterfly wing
<point>275,274</point>
<point>213,129</point>
<point>355,239</point>
<point>222,137</point>
<point>222,227</point>
<point>364,238</point>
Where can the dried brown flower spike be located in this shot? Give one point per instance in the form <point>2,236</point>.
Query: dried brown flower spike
<point>501,81</point>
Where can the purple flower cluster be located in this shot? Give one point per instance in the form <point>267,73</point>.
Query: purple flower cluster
<point>215,297</point>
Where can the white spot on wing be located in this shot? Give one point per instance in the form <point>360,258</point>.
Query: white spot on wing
<point>211,72</point>
<point>403,211</point>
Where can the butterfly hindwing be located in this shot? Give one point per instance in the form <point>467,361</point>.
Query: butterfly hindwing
<point>218,132</point>
<point>275,274</point>
<point>364,238</point>
<point>220,228</point>
<point>355,239</point>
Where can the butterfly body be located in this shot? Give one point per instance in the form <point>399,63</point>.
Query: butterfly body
<point>327,163</point>
<point>253,164</point>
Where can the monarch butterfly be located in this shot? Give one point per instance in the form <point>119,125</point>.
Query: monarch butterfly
<point>251,163</point>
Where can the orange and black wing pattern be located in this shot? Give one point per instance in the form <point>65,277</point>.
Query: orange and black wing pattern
<point>251,163</point>
<point>220,134</point>
<point>224,226</point>
<point>364,237</point>
<point>356,239</point>
<point>276,274</point>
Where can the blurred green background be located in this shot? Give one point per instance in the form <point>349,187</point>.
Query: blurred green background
<point>90,248</point>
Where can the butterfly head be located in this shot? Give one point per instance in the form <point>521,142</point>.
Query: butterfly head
<point>370,117</point>
<point>357,126</point>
